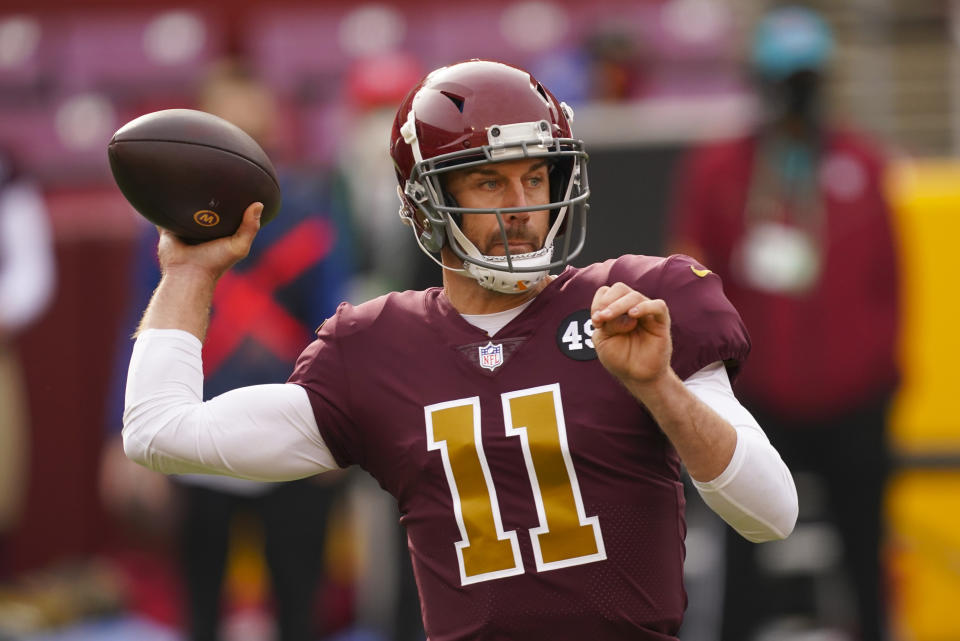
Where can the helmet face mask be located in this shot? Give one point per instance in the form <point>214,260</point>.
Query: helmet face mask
<point>436,133</point>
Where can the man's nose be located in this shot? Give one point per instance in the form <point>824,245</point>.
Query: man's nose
<point>516,196</point>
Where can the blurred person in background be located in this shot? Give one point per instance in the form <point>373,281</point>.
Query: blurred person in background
<point>794,217</point>
<point>261,319</point>
<point>386,261</point>
<point>616,64</point>
<point>608,65</point>
<point>27,283</point>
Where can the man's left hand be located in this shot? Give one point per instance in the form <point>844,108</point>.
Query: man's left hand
<point>632,334</point>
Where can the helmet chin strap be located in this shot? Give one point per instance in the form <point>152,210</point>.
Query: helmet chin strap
<point>416,237</point>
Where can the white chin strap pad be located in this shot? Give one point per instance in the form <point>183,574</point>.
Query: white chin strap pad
<point>511,282</point>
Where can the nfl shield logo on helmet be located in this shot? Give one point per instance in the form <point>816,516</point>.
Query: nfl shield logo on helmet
<point>491,356</point>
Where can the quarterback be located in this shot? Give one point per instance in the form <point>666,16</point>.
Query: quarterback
<point>531,418</point>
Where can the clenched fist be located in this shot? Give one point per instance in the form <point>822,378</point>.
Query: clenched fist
<point>632,336</point>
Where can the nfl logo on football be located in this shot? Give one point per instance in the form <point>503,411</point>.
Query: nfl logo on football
<point>491,356</point>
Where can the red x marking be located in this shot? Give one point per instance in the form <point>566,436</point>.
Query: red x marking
<point>244,304</point>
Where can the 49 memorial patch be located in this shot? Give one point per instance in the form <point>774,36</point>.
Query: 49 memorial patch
<point>574,336</point>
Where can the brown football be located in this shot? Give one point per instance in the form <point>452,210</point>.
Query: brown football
<point>192,172</point>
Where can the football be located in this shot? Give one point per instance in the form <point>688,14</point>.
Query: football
<point>192,172</point>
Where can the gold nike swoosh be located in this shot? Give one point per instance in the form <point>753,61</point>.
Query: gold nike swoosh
<point>699,272</point>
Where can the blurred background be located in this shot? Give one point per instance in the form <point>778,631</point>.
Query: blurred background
<point>88,549</point>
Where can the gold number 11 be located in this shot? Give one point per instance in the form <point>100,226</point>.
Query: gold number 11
<point>565,536</point>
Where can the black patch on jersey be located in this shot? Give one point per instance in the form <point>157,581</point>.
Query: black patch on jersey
<point>573,336</point>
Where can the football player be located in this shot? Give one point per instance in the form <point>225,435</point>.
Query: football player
<point>532,419</point>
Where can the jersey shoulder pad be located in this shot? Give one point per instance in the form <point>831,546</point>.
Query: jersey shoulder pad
<point>352,319</point>
<point>704,324</point>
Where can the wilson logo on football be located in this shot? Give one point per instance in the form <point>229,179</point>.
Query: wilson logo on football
<point>206,218</point>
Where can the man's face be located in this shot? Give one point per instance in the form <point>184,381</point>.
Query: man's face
<point>797,96</point>
<point>515,183</point>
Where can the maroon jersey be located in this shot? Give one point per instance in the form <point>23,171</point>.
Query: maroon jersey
<point>540,499</point>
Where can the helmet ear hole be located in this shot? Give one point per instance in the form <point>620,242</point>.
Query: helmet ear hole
<point>450,201</point>
<point>559,175</point>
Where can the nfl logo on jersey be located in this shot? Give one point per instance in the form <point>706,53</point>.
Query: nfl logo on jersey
<point>491,356</point>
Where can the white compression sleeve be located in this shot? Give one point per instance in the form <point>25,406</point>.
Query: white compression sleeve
<point>262,432</point>
<point>755,494</point>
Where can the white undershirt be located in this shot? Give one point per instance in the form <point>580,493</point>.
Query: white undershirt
<point>493,323</point>
<point>269,433</point>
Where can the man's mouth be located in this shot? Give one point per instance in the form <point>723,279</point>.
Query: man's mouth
<point>515,247</point>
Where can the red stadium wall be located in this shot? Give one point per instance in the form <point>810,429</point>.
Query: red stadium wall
<point>67,360</point>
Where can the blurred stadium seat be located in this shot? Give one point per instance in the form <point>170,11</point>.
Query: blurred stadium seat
<point>298,49</point>
<point>632,18</point>
<point>511,33</point>
<point>694,44</point>
<point>63,140</point>
<point>68,80</point>
<point>138,51</point>
<point>29,133</point>
<point>304,52</point>
<point>29,49</point>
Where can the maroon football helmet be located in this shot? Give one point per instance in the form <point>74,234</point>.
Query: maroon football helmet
<point>477,112</point>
